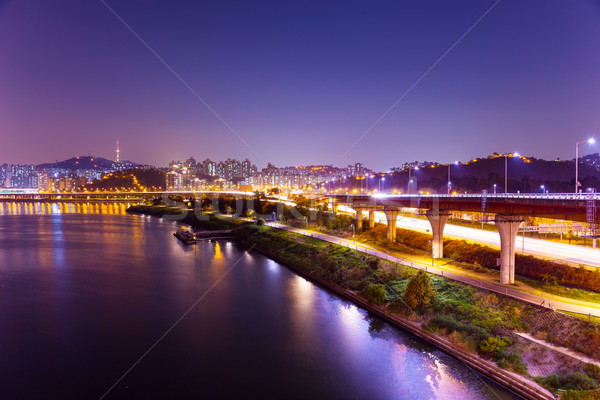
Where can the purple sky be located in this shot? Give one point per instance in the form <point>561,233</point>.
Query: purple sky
<point>300,81</point>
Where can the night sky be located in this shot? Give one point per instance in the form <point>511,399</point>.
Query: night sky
<point>298,82</point>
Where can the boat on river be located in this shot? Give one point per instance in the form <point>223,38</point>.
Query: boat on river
<point>185,236</point>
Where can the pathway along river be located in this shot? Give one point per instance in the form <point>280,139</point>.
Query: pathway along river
<point>86,290</point>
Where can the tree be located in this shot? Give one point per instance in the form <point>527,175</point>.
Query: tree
<point>569,235</point>
<point>419,290</point>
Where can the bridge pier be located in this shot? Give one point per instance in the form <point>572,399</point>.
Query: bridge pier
<point>391,215</point>
<point>437,218</point>
<point>372,218</point>
<point>333,207</point>
<point>508,226</point>
<point>359,211</point>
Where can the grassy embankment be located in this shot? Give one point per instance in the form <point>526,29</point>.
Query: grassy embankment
<point>579,283</point>
<point>472,319</point>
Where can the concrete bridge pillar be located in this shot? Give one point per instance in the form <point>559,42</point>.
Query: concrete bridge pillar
<point>359,211</point>
<point>391,215</point>
<point>371,218</point>
<point>333,207</point>
<point>508,226</point>
<point>437,219</point>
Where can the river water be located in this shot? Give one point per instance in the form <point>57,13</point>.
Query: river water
<point>95,303</point>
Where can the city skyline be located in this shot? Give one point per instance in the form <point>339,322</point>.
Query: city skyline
<point>298,84</point>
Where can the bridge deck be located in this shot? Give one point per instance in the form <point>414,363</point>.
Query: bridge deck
<point>573,207</point>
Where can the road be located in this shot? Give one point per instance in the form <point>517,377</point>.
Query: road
<point>534,247</point>
<point>527,294</point>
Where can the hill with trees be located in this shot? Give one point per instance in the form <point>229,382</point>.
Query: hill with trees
<point>136,179</point>
<point>525,175</point>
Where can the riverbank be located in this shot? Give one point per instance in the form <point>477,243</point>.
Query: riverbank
<point>473,316</point>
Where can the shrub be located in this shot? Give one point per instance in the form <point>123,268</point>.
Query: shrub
<point>580,395</point>
<point>376,294</point>
<point>473,333</point>
<point>493,345</point>
<point>592,370</point>
<point>419,291</point>
<point>513,361</point>
<point>374,263</point>
<point>573,381</point>
<point>260,222</point>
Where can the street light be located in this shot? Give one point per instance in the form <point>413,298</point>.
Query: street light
<point>495,188</point>
<point>590,141</point>
<point>543,188</point>
<point>409,176</point>
<point>506,170</point>
<point>450,183</point>
<point>381,182</point>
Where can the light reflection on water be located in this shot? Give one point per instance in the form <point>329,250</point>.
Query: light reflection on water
<point>44,208</point>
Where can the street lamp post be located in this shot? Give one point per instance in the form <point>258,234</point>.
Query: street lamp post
<point>506,171</point>
<point>449,181</point>
<point>495,188</point>
<point>590,141</point>
<point>410,181</point>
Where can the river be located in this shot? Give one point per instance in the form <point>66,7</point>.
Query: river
<point>95,303</point>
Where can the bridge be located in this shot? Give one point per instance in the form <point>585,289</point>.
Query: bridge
<point>34,195</point>
<point>509,211</point>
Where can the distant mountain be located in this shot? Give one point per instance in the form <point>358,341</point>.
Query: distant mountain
<point>86,162</point>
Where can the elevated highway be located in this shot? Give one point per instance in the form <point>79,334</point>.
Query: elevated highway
<point>508,212</point>
<point>571,207</point>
